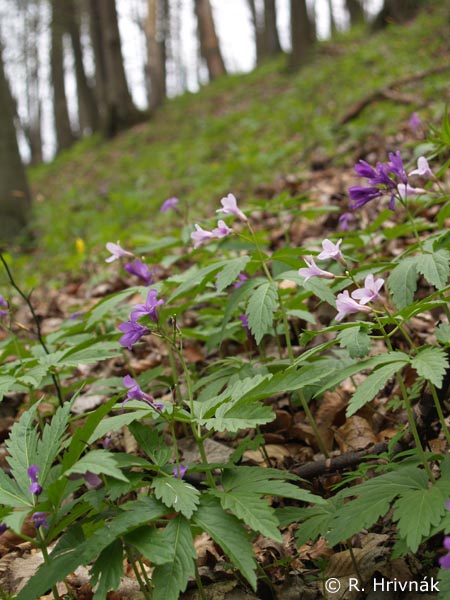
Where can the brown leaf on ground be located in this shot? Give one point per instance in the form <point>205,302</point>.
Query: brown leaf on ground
<point>355,434</point>
<point>328,414</point>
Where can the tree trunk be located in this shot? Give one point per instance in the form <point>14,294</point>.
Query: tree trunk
<point>120,110</point>
<point>396,11</point>
<point>15,199</point>
<point>32,126</point>
<point>333,28</point>
<point>87,106</point>
<point>156,45</point>
<point>209,42</point>
<point>273,45</point>
<point>64,135</point>
<point>260,40</point>
<point>302,34</point>
<point>355,11</point>
<point>95,30</point>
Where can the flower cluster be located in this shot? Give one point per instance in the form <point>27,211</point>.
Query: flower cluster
<point>229,206</point>
<point>35,487</point>
<point>329,251</point>
<point>140,269</point>
<point>347,305</point>
<point>386,179</point>
<point>132,330</point>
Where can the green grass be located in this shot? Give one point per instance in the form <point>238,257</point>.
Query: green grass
<point>237,133</point>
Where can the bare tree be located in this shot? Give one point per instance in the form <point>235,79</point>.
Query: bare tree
<point>397,11</point>
<point>355,11</point>
<point>64,135</point>
<point>15,199</point>
<point>209,42</point>
<point>273,45</point>
<point>302,34</point>
<point>157,26</point>
<point>87,105</point>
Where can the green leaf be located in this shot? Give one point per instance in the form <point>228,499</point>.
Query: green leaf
<point>402,282</point>
<point>177,494</point>
<point>314,522</point>
<point>172,578</point>
<point>416,512</point>
<point>11,494</point>
<point>442,333</point>
<point>100,462</point>
<point>239,295</point>
<point>435,267</point>
<point>371,386</point>
<point>98,312</point>
<point>89,352</point>
<point>238,417</point>
<point>52,436</point>
<point>229,273</point>
<point>22,446</point>
<point>151,442</point>
<point>356,340</point>
<point>227,531</point>
<point>107,570</point>
<point>195,277</point>
<point>260,309</point>
<point>152,544</point>
<point>431,363</point>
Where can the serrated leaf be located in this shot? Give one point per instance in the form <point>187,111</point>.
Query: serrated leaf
<point>253,511</point>
<point>416,512</point>
<point>152,544</point>
<point>228,532</point>
<point>320,289</point>
<point>172,578</point>
<point>99,462</point>
<point>371,386</point>
<point>11,494</point>
<point>49,445</point>
<point>230,272</point>
<point>238,417</point>
<point>107,570</point>
<point>431,363</point>
<point>402,282</point>
<point>22,447</point>
<point>314,522</point>
<point>177,494</point>
<point>260,308</point>
<point>239,295</point>
<point>435,267</point>
<point>89,352</point>
<point>151,442</point>
<point>195,277</point>
<point>102,307</point>
<point>442,333</point>
<point>356,340</point>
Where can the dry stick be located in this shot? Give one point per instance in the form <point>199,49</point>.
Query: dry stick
<point>38,325</point>
<point>389,93</point>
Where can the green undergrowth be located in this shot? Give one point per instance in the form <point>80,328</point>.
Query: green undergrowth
<point>236,134</point>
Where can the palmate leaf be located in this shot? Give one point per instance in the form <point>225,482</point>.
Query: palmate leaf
<point>172,578</point>
<point>260,308</point>
<point>416,512</point>
<point>68,556</point>
<point>402,282</point>
<point>228,532</point>
<point>176,494</point>
<point>431,363</point>
<point>371,386</point>
<point>107,570</point>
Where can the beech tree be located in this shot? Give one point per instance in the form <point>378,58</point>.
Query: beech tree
<point>15,199</point>
<point>302,33</point>
<point>157,25</point>
<point>209,42</point>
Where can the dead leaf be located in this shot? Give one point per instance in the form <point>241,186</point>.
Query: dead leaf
<point>332,405</point>
<point>355,434</point>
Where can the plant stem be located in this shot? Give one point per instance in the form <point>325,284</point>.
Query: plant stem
<point>199,583</point>
<point>142,586</point>
<point>46,558</point>
<point>440,413</point>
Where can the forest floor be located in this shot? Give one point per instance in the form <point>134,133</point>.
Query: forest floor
<point>266,138</point>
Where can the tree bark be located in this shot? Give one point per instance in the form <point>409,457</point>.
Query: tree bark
<point>261,52</point>
<point>302,34</point>
<point>333,28</point>
<point>95,30</point>
<point>64,135</point>
<point>156,45</point>
<point>273,45</point>
<point>15,199</point>
<point>87,106</point>
<point>209,42</point>
<point>396,11</point>
<point>355,11</point>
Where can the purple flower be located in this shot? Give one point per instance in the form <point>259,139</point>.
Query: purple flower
<point>330,250</point>
<point>140,269</point>
<point>106,441</point>
<point>347,306</point>
<point>168,204</point>
<point>444,561</point>
<point>222,230</point>
<point>241,279</point>
<point>395,166</point>
<point>35,488</point>
<point>244,320</point>
<point>363,169</point>
<point>149,308</point>
<point>200,236</point>
<point>423,168</point>
<point>40,519</point>
<point>406,190</point>
<point>313,270</point>
<point>116,252</point>
<point>415,122</point>
<point>362,195</point>
<point>369,292</point>
<point>32,472</point>
<point>76,315</point>
<point>3,303</point>
<point>229,204</point>
<point>344,220</point>
<point>179,471</point>
<point>133,332</point>
<point>3,528</point>
<point>92,480</point>
<point>135,393</point>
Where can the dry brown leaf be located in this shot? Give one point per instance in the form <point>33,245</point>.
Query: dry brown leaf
<point>355,434</point>
<point>332,405</point>
<point>276,453</point>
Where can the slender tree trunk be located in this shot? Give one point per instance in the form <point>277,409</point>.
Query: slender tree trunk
<point>209,42</point>
<point>95,27</point>
<point>32,126</point>
<point>87,106</point>
<point>302,34</point>
<point>355,11</point>
<point>273,45</point>
<point>64,135</point>
<point>156,44</point>
<point>260,40</point>
<point>333,28</point>
<point>121,112</point>
<point>15,199</point>
<point>397,11</point>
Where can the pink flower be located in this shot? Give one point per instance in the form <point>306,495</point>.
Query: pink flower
<point>313,270</point>
<point>200,236</point>
<point>423,168</point>
<point>230,206</point>
<point>330,250</point>
<point>222,230</point>
<point>179,471</point>
<point>405,190</point>
<point>168,204</point>
<point>116,252</point>
<point>369,292</point>
<point>347,306</point>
